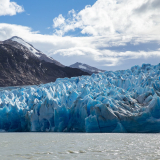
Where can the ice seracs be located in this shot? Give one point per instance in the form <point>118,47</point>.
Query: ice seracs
<point>120,101</point>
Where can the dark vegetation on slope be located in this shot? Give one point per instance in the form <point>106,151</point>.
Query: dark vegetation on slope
<point>16,69</point>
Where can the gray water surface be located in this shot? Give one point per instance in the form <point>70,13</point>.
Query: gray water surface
<point>79,146</point>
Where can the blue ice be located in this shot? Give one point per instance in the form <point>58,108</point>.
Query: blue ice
<point>115,102</point>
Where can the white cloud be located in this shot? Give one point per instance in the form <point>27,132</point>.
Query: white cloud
<point>116,17</point>
<point>9,8</point>
<point>58,21</point>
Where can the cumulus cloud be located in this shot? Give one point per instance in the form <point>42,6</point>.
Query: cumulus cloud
<point>9,8</point>
<point>58,21</point>
<point>148,5</point>
<point>116,17</point>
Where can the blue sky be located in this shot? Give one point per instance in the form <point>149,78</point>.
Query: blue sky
<point>108,34</point>
<point>39,13</point>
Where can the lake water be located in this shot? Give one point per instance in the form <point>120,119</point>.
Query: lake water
<point>79,146</point>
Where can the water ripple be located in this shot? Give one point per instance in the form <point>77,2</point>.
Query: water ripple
<point>79,146</point>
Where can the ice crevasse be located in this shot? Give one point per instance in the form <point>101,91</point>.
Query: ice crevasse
<point>118,102</point>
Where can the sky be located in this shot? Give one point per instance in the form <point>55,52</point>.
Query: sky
<point>107,34</point>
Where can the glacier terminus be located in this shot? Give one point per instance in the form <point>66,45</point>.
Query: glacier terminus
<point>114,101</point>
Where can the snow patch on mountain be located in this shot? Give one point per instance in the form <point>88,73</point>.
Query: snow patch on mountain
<point>21,41</point>
<point>83,67</point>
<point>86,68</point>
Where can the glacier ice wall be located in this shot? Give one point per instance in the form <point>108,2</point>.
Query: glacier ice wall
<point>120,101</point>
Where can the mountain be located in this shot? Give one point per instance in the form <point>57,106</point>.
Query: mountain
<point>22,64</point>
<point>86,68</point>
<point>29,50</point>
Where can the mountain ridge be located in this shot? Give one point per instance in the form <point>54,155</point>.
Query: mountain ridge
<point>19,67</point>
<point>30,50</point>
<point>86,68</point>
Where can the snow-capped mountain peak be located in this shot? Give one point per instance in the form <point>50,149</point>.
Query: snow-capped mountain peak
<point>86,68</point>
<point>81,66</point>
<point>29,50</point>
<point>27,45</point>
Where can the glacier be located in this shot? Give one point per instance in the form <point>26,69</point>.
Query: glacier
<point>124,101</point>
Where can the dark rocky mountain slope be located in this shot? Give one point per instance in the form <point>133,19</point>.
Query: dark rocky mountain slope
<point>29,50</point>
<point>18,68</point>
